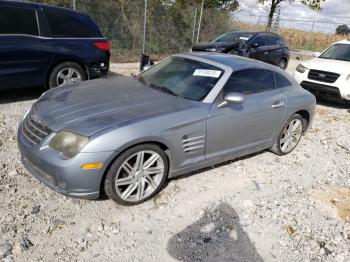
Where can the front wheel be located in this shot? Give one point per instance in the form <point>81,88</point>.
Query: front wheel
<point>290,135</point>
<point>137,175</point>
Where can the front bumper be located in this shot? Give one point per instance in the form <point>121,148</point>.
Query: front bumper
<point>64,176</point>
<point>338,91</point>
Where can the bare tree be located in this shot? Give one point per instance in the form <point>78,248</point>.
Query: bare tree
<point>313,4</point>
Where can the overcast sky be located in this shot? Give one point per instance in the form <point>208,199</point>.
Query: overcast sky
<point>332,14</point>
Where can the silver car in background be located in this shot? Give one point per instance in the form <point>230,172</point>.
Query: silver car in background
<point>126,136</point>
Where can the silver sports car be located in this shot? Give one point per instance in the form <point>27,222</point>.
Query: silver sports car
<point>126,136</point>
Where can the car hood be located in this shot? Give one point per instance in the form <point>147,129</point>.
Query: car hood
<point>208,45</point>
<point>329,65</point>
<point>99,104</point>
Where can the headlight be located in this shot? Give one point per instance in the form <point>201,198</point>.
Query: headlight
<point>301,69</point>
<point>70,144</point>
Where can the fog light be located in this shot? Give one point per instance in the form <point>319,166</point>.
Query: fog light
<point>92,165</point>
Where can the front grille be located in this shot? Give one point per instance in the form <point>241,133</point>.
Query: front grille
<point>34,130</point>
<point>321,90</point>
<point>323,76</point>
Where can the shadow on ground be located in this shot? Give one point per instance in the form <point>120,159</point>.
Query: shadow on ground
<point>332,104</point>
<point>19,95</point>
<point>30,93</point>
<point>217,236</point>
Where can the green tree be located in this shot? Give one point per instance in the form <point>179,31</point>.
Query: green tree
<point>342,30</point>
<point>312,4</point>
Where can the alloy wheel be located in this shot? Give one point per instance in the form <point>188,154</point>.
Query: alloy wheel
<point>139,176</point>
<point>291,135</point>
<point>282,64</point>
<point>68,76</point>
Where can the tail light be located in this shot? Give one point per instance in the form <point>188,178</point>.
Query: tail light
<point>103,45</point>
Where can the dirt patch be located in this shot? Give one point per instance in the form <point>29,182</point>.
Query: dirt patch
<point>338,198</point>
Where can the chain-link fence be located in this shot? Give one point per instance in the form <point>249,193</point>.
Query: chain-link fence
<point>172,28</point>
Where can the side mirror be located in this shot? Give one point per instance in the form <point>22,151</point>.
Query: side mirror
<point>317,54</point>
<point>254,45</point>
<point>232,98</point>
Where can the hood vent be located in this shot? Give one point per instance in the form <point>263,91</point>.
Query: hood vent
<point>193,144</point>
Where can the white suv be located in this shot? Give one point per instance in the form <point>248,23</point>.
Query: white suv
<point>328,75</point>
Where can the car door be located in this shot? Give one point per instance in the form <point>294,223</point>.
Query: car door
<point>258,49</point>
<point>275,49</point>
<point>250,124</point>
<point>24,55</point>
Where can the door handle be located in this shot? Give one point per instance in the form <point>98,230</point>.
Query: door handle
<point>266,53</point>
<point>278,105</point>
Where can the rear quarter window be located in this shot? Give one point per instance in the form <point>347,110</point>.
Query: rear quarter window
<point>15,20</point>
<point>273,40</point>
<point>71,24</point>
<point>281,81</point>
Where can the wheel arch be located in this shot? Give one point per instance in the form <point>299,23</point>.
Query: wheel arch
<point>305,115</point>
<point>162,145</point>
<point>61,61</point>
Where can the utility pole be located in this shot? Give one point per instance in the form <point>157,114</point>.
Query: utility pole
<point>74,5</point>
<point>200,21</point>
<point>144,28</point>
<point>309,40</point>
<point>194,25</point>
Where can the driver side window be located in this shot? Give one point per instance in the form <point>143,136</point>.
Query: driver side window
<point>250,81</point>
<point>259,41</point>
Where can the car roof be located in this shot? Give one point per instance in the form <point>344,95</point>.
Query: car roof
<point>37,5</point>
<point>248,32</point>
<point>254,33</point>
<point>233,61</point>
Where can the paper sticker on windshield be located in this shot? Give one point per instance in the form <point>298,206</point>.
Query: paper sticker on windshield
<point>207,73</point>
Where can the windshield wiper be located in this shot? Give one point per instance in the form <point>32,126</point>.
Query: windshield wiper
<point>165,89</point>
<point>141,79</point>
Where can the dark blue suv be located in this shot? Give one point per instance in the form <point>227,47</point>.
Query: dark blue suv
<point>50,46</point>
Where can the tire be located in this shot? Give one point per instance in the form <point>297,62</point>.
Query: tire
<point>282,63</point>
<point>64,70</point>
<point>279,147</point>
<point>128,192</point>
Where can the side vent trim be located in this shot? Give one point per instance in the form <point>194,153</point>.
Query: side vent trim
<point>193,144</point>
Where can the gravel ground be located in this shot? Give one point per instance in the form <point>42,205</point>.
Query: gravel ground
<point>257,208</point>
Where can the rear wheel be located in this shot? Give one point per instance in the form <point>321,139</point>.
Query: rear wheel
<point>290,135</point>
<point>137,175</point>
<point>282,63</point>
<point>66,73</point>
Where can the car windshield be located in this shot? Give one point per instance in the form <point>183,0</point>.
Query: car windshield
<point>337,52</point>
<point>182,77</point>
<point>233,37</point>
